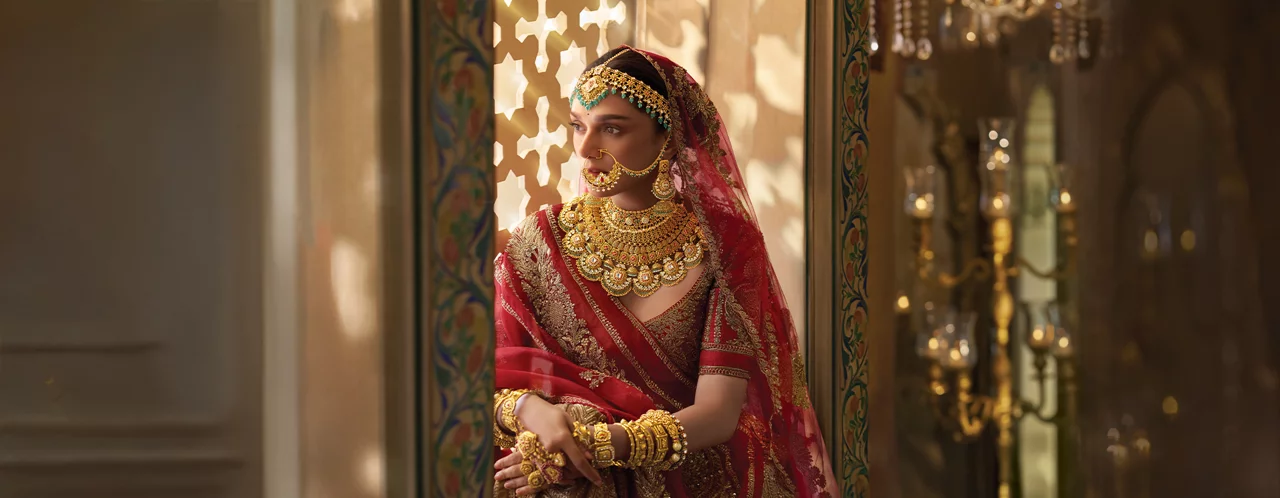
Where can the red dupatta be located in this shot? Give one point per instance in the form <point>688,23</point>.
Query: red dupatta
<point>546,314</point>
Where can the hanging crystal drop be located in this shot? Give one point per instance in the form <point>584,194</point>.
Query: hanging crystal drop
<point>924,49</point>
<point>1083,50</point>
<point>1058,54</point>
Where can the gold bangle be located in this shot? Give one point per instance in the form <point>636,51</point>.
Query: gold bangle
<point>510,398</point>
<point>504,435</point>
<point>602,446</point>
<point>679,441</point>
<point>641,444</point>
<point>660,437</point>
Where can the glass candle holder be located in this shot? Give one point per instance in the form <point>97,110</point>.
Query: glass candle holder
<point>920,200</point>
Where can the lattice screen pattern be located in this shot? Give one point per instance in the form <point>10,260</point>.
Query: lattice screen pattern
<point>540,50</point>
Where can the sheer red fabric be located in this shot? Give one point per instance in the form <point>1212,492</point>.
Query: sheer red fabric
<point>621,371</point>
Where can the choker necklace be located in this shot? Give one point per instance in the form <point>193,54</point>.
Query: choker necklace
<point>631,251</point>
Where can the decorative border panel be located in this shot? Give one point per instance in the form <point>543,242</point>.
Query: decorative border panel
<point>453,42</point>
<point>851,87</point>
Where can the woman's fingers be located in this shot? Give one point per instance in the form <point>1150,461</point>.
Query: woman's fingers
<point>508,473</point>
<point>517,483</point>
<point>579,460</point>
<point>512,460</point>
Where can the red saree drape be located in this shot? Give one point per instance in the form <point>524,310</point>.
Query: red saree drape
<point>565,336</point>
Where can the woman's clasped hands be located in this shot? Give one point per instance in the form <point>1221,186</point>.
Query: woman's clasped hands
<point>546,452</point>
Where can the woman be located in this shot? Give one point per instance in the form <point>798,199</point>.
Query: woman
<point>643,345</point>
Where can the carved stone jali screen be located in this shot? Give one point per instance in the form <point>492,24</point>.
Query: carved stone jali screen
<point>539,50</point>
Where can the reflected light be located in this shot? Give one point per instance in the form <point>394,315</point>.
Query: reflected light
<point>1170,405</point>
<point>543,141</point>
<point>601,17</point>
<point>777,69</point>
<point>689,52</point>
<point>1188,240</point>
<point>511,201</point>
<point>541,28</point>
<point>371,473</point>
<point>573,61</point>
<point>354,10</point>
<point>1143,445</point>
<point>509,85</point>
<point>349,278</point>
<point>1150,241</point>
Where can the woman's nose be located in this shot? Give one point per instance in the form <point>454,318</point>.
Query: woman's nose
<point>588,147</point>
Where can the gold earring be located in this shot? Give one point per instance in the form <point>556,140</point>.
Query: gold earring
<point>664,189</point>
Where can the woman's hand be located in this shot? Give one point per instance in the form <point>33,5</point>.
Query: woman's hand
<point>555,432</point>
<point>510,477</point>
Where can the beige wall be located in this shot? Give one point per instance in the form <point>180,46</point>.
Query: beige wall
<point>340,184</point>
<point>750,57</point>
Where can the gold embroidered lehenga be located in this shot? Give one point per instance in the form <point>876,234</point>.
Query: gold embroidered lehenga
<point>569,338</point>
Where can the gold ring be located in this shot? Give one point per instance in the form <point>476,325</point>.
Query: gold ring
<point>553,474</point>
<point>536,480</point>
<point>527,467</point>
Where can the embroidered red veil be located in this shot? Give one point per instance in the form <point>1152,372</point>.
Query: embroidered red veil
<point>777,449</point>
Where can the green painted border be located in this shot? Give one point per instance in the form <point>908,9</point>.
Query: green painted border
<point>852,77</point>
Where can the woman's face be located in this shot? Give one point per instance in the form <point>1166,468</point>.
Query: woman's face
<point>629,135</point>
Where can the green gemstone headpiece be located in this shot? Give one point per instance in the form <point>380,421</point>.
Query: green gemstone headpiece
<point>600,81</point>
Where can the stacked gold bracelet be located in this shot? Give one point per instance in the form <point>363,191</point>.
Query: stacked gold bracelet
<point>505,423</point>
<point>657,438</point>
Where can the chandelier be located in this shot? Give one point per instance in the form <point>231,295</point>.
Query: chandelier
<point>968,24</point>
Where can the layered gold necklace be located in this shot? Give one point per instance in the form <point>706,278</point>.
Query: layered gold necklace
<point>631,251</point>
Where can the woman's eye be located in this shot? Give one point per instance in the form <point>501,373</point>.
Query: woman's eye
<point>612,130</point>
<point>576,126</point>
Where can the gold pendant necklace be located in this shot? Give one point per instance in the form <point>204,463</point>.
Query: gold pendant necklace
<point>630,251</point>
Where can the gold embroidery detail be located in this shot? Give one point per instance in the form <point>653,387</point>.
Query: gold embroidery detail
<point>730,371</point>
<point>677,330</point>
<point>593,378</point>
<point>613,333</point>
<point>709,473</point>
<point>551,301</point>
<point>799,381</point>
